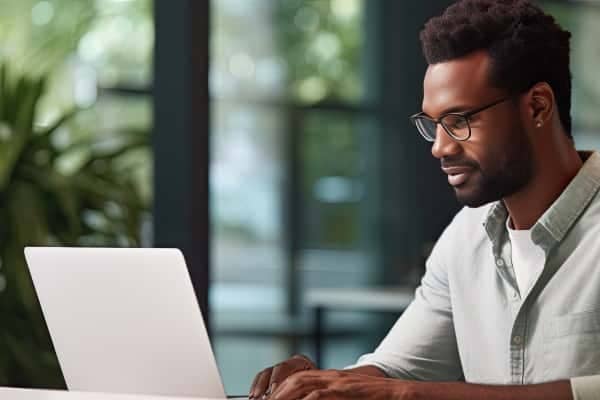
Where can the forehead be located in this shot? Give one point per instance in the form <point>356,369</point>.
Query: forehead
<point>461,82</point>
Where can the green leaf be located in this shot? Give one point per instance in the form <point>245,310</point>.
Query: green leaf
<point>21,114</point>
<point>40,204</point>
<point>3,89</point>
<point>42,139</point>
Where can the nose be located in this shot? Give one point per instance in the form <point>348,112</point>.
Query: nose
<point>444,145</point>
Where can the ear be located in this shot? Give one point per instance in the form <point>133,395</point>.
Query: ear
<point>540,105</point>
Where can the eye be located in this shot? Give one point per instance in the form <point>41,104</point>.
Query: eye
<point>453,121</point>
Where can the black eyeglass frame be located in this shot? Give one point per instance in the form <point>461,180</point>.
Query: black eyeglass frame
<point>466,115</point>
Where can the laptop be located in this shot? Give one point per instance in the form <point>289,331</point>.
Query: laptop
<point>125,321</point>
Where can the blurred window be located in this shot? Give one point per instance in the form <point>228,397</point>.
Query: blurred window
<point>581,19</point>
<point>286,171</point>
<point>97,55</point>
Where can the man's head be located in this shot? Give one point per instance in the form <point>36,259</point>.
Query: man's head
<point>483,51</point>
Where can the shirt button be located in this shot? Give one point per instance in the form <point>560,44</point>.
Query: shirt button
<point>517,339</point>
<point>515,295</point>
<point>500,262</point>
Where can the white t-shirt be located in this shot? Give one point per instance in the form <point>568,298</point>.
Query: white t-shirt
<point>527,258</point>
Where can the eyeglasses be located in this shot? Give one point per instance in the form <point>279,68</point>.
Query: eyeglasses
<point>456,125</point>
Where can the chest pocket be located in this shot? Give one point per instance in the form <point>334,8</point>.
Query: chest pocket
<point>572,345</point>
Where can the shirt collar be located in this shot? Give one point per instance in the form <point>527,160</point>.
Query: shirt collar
<point>554,224</point>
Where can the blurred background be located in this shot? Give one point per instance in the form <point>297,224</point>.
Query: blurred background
<point>268,139</point>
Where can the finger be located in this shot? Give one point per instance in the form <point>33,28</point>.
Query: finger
<point>253,385</point>
<point>285,369</point>
<point>309,364</point>
<point>297,386</point>
<point>282,371</point>
<point>262,382</point>
<point>319,394</point>
<point>279,374</point>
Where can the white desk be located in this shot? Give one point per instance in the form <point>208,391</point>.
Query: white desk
<point>393,298</point>
<point>33,394</point>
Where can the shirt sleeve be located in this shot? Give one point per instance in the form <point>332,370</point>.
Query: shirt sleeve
<point>422,343</point>
<point>586,387</point>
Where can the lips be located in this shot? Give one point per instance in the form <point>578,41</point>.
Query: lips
<point>457,175</point>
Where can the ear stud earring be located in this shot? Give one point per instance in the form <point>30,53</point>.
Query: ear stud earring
<point>538,124</point>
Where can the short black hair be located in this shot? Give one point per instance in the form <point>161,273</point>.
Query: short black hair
<point>526,45</point>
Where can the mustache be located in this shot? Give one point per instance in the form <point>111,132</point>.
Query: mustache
<point>448,162</point>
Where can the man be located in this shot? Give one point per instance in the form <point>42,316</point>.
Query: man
<point>509,307</point>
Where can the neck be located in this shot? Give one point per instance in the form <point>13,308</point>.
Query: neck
<point>552,175</point>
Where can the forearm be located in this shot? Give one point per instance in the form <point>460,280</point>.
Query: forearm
<point>367,370</point>
<point>460,391</point>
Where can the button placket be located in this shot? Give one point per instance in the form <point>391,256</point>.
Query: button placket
<point>517,345</point>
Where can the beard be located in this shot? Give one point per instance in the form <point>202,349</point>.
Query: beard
<point>510,169</point>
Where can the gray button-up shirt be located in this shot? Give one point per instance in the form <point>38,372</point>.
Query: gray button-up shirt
<point>468,319</point>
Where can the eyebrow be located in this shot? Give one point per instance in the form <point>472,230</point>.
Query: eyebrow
<point>454,109</point>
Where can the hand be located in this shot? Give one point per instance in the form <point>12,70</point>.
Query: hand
<point>340,385</point>
<point>268,379</point>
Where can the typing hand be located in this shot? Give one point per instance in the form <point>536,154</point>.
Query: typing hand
<point>339,385</point>
<point>267,381</point>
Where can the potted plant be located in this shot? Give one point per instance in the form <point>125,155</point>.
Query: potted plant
<point>95,202</point>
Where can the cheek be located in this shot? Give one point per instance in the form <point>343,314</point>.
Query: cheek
<point>491,149</point>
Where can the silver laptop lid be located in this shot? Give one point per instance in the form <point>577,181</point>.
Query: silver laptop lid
<point>125,321</point>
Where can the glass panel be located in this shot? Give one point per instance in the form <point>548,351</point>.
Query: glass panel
<point>245,59</point>
<point>246,183</point>
<point>38,35</point>
<point>79,45</point>
<point>268,58</point>
<point>321,42</point>
<point>334,202</point>
<point>581,19</point>
<point>247,167</point>
<point>119,43</point>
<point>332,186</point>
<point>307,51</point>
